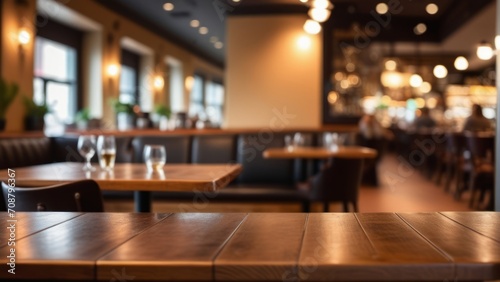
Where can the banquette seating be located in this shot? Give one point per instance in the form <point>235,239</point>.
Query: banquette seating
<point>261,180</point>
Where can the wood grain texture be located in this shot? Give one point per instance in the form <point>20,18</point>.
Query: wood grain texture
<point>379,247</point>
<point>180,248</point>
<point>485,223</point>
<point>28,223</point>
<point>476,257</point>
<point>132,177</point>
<point>69,250</point>
<point>265,248</point>
<point>346,152</point>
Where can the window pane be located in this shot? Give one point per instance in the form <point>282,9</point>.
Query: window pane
<point>197,92</point>
<point>60,101</point>
<point>176,88</point>
<point>55,60</point>
<point>38,96</point>
<point>128,85</point>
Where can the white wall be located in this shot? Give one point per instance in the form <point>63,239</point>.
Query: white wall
<point>267,72</point>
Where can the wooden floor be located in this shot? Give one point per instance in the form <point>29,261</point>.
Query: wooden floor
<point>403,191</point>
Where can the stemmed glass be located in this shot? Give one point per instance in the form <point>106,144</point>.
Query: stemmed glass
<point>86,148</point>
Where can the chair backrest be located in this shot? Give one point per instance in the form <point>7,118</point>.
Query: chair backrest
<point>481,146</point>
<point>80,196</point>
<point>338,181</point>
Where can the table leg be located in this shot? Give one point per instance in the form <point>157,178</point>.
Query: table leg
<point>142,201</point>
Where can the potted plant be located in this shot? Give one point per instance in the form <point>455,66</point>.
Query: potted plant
<point>124,115</point>
<point>35,114</point>
<point>8,91</point>
<point>82,119</point>
<point>161,116</point>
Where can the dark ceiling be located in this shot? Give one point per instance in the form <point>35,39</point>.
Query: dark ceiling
<point>347,14</point>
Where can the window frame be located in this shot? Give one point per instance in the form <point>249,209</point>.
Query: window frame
<point>132,60</point>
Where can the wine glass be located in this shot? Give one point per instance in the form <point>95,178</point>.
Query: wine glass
<point>86,148</point>
<point>106,150</point>
<point>155,157</point>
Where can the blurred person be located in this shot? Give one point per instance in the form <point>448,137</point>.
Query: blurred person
<point>476,121</point>
<point>424,121</point>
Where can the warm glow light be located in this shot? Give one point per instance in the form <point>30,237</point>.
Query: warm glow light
<point>158,82</point>
<point>319,15</point>
<point>303,1</point>
<point>432,8</point>
<point>339,76</point>
<point>415,80</point>
<point>497,42</point>
<point>484,51</point>
<point>350,67</point>
<point>203,30</point>
<point>214,39</point>
<point>390,65</point>
<point>24,37</point>
<point>420,29</point>
<point>312,27</point>
<point>333,97</point>
<point>344,84</point>
<point>420,102</point>
<point>382,8</point>
<point>188,83</point>
<point>321,4</point>
<point>432,103</point>
<point>461,63</point>
<point>218,45</point>
<point>426,87</point>
<point>391,79</point>
<point>168,6</point>
<point>304,42</point>
<point>195,23</point>
<point>353,80</point>
<point>440,71</point>
<point>386,100</point>
<point>112,70</point>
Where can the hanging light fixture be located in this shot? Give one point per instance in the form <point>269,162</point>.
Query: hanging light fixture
<point>461,63</point>
<point>319,15</point>
<point>484,51</point>
<point>312,27</point>
<point>440,71</point>
<point>416,80</point>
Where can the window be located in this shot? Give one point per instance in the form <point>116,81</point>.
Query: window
<point>197,105</point>
<point>214,102</point>
<point>129,77</point>
<point>56,73</point>
<point>55,80</point>
<point>176,83</point>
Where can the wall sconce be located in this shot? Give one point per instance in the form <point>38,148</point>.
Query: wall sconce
<point>23,36</point>
<point>188,83</point>
<point>158,82</point>
<point>112,70</point>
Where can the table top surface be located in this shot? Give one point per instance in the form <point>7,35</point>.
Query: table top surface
<point>130,176</point>
<point>447,246</point>
<point>347,152</point>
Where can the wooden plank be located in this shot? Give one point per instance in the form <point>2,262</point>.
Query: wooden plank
<point>182,247</point>
<point>69,250</point>
<point>28,223</point>
<point>265,248</point>
<point>485,223</point>
<point>347,152</point>
<point>373,247</point>
<point>476,256</point>
<point>132,177</point>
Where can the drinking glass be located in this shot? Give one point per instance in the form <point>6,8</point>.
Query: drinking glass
<point>298,140</point>
<point>86,148</point>
<point>106,150</point>
<point>155,157</point>
<point>327,140</point>
<point>288,143</point>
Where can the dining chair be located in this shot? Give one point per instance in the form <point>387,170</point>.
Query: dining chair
<point>338,181</point>
<point>482,151</point>
<point>79,196</point>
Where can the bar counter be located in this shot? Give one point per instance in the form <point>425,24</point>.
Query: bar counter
<point>447,246</point>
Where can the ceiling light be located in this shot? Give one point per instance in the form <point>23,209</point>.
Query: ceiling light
<point>303,1</point>
<point>426,87</point>
<point>218,45</point>
<point>416,81</point>
<point>195,23</point>
<point>203,30</point>
<point>319,15</point>
<point>236,1</point>
<point>304,42</point>
<point>390,65</point>
<point>382,8</point>
<point>391,79</point>
<point>321,4</point>
<point>461,63</point>
<point>432,8</point>
<point>420,29</point>
<point>168,6</point>
<point>214,39</point>
<point>484,51</point>
<point>440,71</point>
<point>312,27</point>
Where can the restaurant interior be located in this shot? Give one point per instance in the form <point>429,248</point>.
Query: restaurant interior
<point>249,140</point>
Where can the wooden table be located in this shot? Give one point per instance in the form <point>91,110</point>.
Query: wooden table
<point>346,152</point>
<point>448,246</point>
<point>132,177</point>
